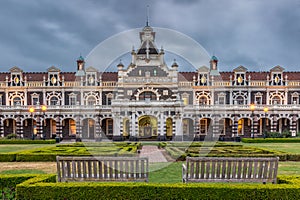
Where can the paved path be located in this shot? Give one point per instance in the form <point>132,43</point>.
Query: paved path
<point>153,153</point>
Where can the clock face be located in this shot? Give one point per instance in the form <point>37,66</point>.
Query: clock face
<point>16,80</point>
<point>203,79</point>
<point>91,80</point>
<point>53,80</point>
<point>277,79</point>
<point>240,79</point>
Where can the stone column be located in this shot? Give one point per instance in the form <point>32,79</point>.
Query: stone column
<point>235,127</point>
<point>274,124</point>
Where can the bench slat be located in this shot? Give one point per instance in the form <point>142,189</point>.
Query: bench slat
<point>213,171</point>
<point>231,169</point>
<point>102,169</point>
<point>229,166</point>
<point>207,169</point>
<point>223,169</point>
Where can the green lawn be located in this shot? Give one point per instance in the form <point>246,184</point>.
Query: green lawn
<point>285,147</point>
<point>171,173</point>
<point>6,148</point>
<point>23,171</point>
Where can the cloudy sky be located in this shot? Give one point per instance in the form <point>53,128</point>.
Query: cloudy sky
<point>258,34</point>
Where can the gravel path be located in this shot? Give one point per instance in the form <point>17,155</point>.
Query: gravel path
<point>153,153</point>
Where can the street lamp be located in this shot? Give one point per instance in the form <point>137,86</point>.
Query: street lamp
<point>266,109</point>
<point>31,110</point>
<point>44,109</point>
<point>252,108</point>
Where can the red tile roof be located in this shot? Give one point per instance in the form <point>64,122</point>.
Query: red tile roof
<point>186,76</point>
<point>110,76</point>
<point>182,76</point>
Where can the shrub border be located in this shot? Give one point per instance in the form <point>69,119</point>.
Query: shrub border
<point>271,140</point>
<point>43,187</point>
<point>18,141</point>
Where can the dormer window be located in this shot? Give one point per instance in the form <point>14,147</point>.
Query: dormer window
<point>91,76</point>
<point>240,76</point>
<point>240,79</point>
<point>203,76</point>
<point>53,80</point>
<point>277,76</point>
<point>53,76</point>
<point>16,76</point>
<point>91,79</point>
<point>203,79</point>
<point>16,80</point>
<point>277,79</point>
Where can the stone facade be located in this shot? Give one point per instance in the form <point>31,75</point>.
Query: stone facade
<point>149,100</point>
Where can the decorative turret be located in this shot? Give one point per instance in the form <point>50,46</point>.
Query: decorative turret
<point>213,63</point>
<point>120,66</point>
<point>175,65</point>
<point>80,63</point>
<point>80,66</point>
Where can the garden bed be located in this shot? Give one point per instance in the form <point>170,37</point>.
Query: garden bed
<point>180,151</point>
<point>77,149</point>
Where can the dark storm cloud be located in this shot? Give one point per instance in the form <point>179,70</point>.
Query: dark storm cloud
<point>36,34</point>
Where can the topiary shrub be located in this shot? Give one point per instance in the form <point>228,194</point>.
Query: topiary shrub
<point>11,136</point>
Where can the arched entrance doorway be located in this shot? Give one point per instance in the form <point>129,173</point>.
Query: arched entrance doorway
<point>49,128</point>
<point>244,127</point>
<point>169,128</point>
<point>9,126</point>
<point>29,128</point>
<point>283,125</point>
<point>126,127</point>
<point>69,128</point>
<point>225,127</point>
<point>107,127</point>
<point>188,128</point>
<point>147,126</point>
<point>88,129</point>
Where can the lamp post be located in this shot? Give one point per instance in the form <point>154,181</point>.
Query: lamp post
<point>31,110</point>
<point>252,108</point>
<point>44,109</point>
<point>266,109</point>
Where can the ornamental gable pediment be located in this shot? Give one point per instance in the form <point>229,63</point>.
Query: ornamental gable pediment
<point>91,69</point>
<point>277,69</point>
<point>53,69</point>
<point>240,69</point>
<point>15,69</point>
<point>203,69</point>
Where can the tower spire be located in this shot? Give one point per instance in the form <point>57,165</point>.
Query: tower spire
<point>147,22</point>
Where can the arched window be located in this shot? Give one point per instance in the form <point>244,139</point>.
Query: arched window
<point>54,101</point>
<point>147,95</point>
<point>203,100</point>
<point>91,100</point>
<point>240,100</point>
<point>17,101</point>
<point>276,100</point>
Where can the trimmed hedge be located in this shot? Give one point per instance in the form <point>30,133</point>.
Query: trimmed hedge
<point>36,188</point>
<point>13,180</point>
<point>8,157</point>
<point>18,141</point>
<point>76,149</point>
<point>271,140</point>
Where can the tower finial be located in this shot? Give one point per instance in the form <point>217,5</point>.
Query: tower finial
<point>147,22</point>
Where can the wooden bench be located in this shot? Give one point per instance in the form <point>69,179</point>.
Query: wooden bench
<point>225,169</point>
<point>102,169</point>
